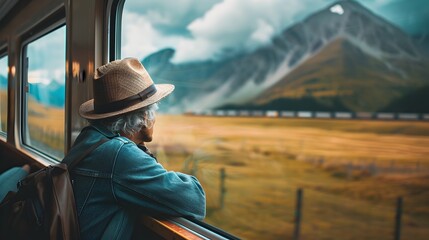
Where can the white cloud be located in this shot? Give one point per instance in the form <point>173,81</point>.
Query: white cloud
<point>140,39</point>
<point>213,29</point>
<point>236,25</point>
<point>194,50</point>
<point>229,26</point>
<point>263,32</point>
<point>46,76</point>
<point>59,75</point>
<point>3,66</point>
<point>167,16</point>
<point>48,52</point>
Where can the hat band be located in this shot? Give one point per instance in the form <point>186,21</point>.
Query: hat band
<point>126,102</point>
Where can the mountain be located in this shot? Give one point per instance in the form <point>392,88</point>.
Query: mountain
<point>52,94</point>
<point>413,102</point>
<point>343,57</point>
<point>423,40</point>
<point>342,77</point>
<point>3,82</point>
<point>190,79</point>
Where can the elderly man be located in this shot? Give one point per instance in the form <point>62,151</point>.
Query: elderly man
<point>120,178</point>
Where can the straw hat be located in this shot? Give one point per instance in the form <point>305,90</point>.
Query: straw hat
<point>122,86</point>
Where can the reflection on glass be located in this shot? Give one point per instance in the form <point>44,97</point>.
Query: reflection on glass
<point>274,96</point>
<point>3,94</point>
<point>46,93</point>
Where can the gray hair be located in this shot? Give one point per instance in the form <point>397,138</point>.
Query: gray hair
<point>131,122</point>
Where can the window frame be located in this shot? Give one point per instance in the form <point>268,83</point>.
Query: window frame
<point>202,228</point>
<point>165,227</point>
<point>4,53</point>
<point>115,27</point>
<point>48,25</point>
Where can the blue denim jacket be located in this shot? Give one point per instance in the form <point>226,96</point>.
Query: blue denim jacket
<point>118,181</point>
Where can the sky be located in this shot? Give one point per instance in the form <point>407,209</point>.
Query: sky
<point>3,66</point>
<point>207,29</point>
<point>47,56</point>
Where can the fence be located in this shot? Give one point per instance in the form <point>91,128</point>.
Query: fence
<point>298,216</point>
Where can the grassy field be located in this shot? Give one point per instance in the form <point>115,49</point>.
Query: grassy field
<point>45,126</point>
<point>351,171</point>
<point>3,110</point>
<point>266,160</point>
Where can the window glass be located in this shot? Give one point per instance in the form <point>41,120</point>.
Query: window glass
<point>45,93</point>
<point>3,94</point>
<point>277,100</point>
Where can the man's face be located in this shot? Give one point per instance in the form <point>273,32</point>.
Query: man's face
<point>146,134</point>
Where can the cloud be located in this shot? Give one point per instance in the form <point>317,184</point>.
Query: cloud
<point>214,29</point>
<point>46,76</point>
<point>210,29</point>
<point>167,17</point>
<point>140,38</point>
<point>3,66</point>
<point>241,25</point>
<point>47,58</point>
<point>263,32</point>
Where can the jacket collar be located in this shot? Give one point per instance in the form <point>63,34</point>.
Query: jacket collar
<point>103,130</point>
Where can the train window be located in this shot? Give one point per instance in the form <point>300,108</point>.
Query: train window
<point>302,119</point>
<point>3,93</point>
<point>45,93</point>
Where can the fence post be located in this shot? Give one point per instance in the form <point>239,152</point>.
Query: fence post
<point>398,219</point>
<point>298,214</point>
<point>222,188</point>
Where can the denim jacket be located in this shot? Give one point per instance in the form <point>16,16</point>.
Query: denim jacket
<point>118,181</point>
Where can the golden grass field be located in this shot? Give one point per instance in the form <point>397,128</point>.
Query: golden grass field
<point>266,160</point>
<point>46,128</point>
<point>45,125</point>
<point>3,110</point>
<point>39,115</point>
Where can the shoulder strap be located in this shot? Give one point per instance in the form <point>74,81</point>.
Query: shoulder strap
<point>74,162</point>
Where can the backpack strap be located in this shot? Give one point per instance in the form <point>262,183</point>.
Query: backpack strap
<point>74,162</point>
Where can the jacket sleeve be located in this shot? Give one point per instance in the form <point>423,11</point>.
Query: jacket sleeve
<point>141,181</point>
